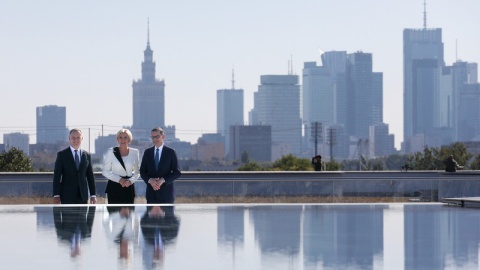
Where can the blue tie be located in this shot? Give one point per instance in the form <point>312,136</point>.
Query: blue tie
<point>77,160</point>
<point>157,159</point>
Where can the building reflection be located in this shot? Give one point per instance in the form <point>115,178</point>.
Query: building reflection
<point>230,225</point>
<point>73,225</point>
<point>277,232</point>
<point>230,229</point>
<point>159,226</point>
<point>342,237</point>
<point>441,239</point>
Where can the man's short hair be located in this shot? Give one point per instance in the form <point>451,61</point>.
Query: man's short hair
<point>75,130</point>
<point>159,129</point>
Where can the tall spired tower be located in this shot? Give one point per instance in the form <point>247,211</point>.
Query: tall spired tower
<point>148,97</point>
<point>422,65</point>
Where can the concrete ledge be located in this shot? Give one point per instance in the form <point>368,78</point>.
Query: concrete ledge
<point>424,185</point>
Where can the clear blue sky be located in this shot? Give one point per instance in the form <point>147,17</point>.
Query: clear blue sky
<point>85,54</point>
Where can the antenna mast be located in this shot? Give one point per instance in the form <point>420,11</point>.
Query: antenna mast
<point>148,31</point>
<point>233,79</point>
<point>456,50</point>
<point>424,14</point>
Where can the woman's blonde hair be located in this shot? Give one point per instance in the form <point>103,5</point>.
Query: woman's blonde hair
<point>126,131</point>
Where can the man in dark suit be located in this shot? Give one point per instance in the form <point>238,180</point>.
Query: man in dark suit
<point>159,169</point>
<point>73,174</point>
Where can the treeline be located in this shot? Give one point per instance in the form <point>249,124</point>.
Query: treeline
<point>431,158</point>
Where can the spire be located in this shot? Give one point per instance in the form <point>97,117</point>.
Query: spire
<point>148,32</point>
<point>424,14</point>
<point>233,79</point>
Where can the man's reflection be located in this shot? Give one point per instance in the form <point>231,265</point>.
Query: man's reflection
<point>73,224</point>
<point>159,228</point>
<point>120,228</point>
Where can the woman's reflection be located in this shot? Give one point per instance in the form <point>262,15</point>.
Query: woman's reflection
<point>73,224</point>
<point>159,228</point>
<point>121,229</point>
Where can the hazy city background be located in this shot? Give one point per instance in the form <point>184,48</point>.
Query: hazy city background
<point>85,57</point>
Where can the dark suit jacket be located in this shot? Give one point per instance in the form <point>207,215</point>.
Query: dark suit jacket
<point>167,168</point>
<point>70,183</point>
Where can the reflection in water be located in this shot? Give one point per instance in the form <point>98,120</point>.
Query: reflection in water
<point>121,229</point>
<point>159,228</point>
<point>277,230</point>
<point>73,224</point>
<point>441,238</point>
<point>326,236</point>
<point>345,236</point>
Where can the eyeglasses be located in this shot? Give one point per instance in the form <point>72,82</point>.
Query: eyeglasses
<point>156,137</point>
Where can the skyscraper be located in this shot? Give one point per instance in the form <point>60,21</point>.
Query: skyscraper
<point>318,94</point>
<point>364,90</point>
<point>229,111</point>
<point>422,65</point>
<point>277,103</point>
<point>148,98</point>
<point>52,124</point>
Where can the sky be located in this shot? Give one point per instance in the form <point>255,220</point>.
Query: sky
<point>85,54</point>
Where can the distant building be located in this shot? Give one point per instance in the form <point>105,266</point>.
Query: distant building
<point>336,143</point>
<point>469,113</point>
<point>229,112</point>
<point>256,141</point>
<point>102,143</point>
<point>17,140</point>
<point>318,101</point>
<point>364,95</point>
<point>381,143</point>
<point>206,151</point>
<point>318,94</point>
<point>345,94</point>
<point>148,99</point>
<point>277,104</point>
<point>183,149</point>
<point>52,124</point>
<point>422,65</point>
<point>209,146</point>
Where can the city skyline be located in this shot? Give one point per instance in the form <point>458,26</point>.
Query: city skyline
<point>195,48</point>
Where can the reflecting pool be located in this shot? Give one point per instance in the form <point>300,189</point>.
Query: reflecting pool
<point>220,236</point>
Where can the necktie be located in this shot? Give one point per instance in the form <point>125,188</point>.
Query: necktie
<point>157,158</point>
<point>77,159</point>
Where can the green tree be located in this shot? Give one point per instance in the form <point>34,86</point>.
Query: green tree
<point>292,163</point>
<point>433,158</point>
<point>332,166</point>
<point>459,152</point>
<point>251,166</point>
<point>14,160</point>
<point>395,162</point>
<point>475,165</point>
<point>245,158</point>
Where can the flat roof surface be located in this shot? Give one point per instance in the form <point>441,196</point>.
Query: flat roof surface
<point>243,236</point>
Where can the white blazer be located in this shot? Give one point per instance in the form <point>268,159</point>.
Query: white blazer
<point>113,169</point>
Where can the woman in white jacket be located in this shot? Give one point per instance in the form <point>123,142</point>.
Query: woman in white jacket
<point>121,166</point>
